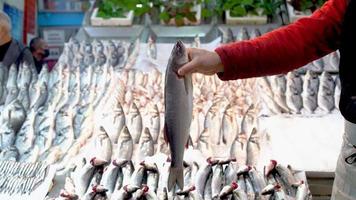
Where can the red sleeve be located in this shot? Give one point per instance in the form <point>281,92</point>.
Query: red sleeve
<point>286,48</point>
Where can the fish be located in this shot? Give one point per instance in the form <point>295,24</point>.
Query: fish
<point>337,92</point>
<point>8,136</point>
<point>202,176</point>
<point>326,92</point>
<point>81,177</point>
<point>253,148</point>
<point>117,122</point>
<point>256,180</point>
<point>242,34</point>
<point>155,123</point>
<point>228,125</point>
<point>238,148</point>
<point>9,153</point>
<point>151,48</point>
<point>134,123</point>
<point>138,176</point>
<point>208,187</point>
<point>294,82</point>
<point>230,173</point>
<point>124,145</point>
<point>318,65</point>
<point>302,191</point>
<point>146,145</point>
<point>227,36</point>
<point>152,180</point>
<point>102,146</point>
<point>255,33</point>
<point>26,136</point>
<point>310,91</point>
<point>228,190</point>
<point>278,85</point>
<point>294,101</point>
<point>127,171</point>
<point>178,99</point>
<point>287,179</point>
<point>217,181</point>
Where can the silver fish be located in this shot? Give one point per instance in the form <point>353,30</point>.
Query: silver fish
<point>207,189</point>
<point>217,181</point>
<point>134,122</point>
<point>326,92</point>
<point>127,171</point>
<point>81,177</point>
<point>152,181</point>
<point>124,145</point>
<point>228,190</point>
<point>302,191</point>
<point>230,174</point>
<point>287,179</point>
<point>15,114</point>
<point>294,101</point>
<point>278,85</point>
<point>10,153</point>
<point>155,123</point>
<point>242,34</point>
<point>229,125</point>
<point>334,60</point>
<point>7,135</point>
<point>227,36</point>
<point>26,135</point>
<point>255,33</point>
<point>146,145</point>
<point>294,82</point>
<point>102,145</point>
<point>253,148</point>
<point>137,176</point>
<point>178,112</point>
<point>238,148</point>
<point>310,91</point>
<point>202,177</point>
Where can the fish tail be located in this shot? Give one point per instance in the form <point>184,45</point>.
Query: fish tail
<point>175,176</point>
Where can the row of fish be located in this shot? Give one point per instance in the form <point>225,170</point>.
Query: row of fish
<point>203,179</point>
<point>295,94</point>
<point>329,63</point>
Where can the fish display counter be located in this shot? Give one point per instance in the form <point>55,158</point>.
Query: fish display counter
<point>97,119</point>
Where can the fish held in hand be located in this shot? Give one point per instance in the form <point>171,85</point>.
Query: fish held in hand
<point>178,112</point>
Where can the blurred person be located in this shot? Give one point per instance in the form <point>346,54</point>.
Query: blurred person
<point>331,27</point>
<point>39,50</point>
<point>11,51</point>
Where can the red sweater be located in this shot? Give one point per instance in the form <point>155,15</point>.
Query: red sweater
<point>286,48</point>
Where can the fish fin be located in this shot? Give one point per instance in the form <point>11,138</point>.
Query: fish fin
<point>175,176</point>
<point>165,133</point>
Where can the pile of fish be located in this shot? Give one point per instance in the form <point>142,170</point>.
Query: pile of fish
<point>297,94</point>
<point>21,178</point>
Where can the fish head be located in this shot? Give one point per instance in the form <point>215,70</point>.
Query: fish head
<point>146,137</point>
<point>179,56</point>
<point>134,109</point>
<point>125,134</point>
<point>13,70</point>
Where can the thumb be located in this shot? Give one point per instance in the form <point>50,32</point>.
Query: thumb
<point>188,68</point>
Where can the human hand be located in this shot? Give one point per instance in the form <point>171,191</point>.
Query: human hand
<point>202,61</point>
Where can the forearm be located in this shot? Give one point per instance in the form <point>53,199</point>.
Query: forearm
<point>286,48</point>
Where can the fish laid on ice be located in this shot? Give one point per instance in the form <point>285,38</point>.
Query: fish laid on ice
<point>337,91</point>
<point>178,112</point>
<point>145,146</point>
